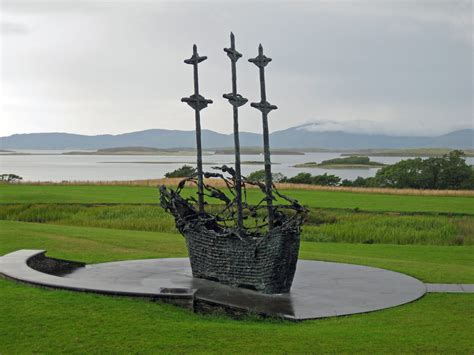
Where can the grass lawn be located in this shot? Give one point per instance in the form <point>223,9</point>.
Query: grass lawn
<point>34,320</point>
<point>438,264</point>
<point>37,320</point>
<point>325,199</point>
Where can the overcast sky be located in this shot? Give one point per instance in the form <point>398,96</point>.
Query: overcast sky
<point>95,67</point>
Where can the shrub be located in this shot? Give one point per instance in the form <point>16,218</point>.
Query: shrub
<point>259,176</point>
<point>360,182</point>
<point>184,171</point>
<point>307,178</point>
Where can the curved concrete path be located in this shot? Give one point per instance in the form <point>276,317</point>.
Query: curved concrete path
<point>320,289</point>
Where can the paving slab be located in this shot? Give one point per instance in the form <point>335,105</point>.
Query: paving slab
<point>468,288</point>
<point>449,288</point>
<point>320,289</point>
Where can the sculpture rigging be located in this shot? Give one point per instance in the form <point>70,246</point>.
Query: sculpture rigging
<point>236,100</point>
<point>265,107</point>
<point>234,242</point>
<point>197,102</point>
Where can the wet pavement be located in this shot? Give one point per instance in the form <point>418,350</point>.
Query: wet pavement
<point>320,289</point>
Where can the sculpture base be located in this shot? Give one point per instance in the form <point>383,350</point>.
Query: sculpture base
<point>320,289</point>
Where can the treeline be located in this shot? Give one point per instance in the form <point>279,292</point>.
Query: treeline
<point>447,172</point>
<point>438,173</point>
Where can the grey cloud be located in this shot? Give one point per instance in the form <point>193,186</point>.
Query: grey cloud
<point>121,62</point>
<point>12,28</point>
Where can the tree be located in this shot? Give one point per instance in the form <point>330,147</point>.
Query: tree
<point>9,178</point>
<point>359,182</point>
<point>326,180</point>
<point>184,171</point>
<point>307,178</point>
<point>430,173</point>
<point>405,173</point>
<point>301,178</point>
<point>259,176</point>
<point>447,172</point>
<point>454,172</point>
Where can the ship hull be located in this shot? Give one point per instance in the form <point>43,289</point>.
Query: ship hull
<point>253,259</point>
<point>266,264</point>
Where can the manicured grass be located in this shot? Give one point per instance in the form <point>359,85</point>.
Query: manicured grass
<point>91,245</point>
<point>435,264</point>
<point>44,321</point>
<point>325,199</point>
<point>447,264</point>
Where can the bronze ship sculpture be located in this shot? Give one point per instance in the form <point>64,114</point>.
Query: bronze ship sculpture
<point>254,246</point>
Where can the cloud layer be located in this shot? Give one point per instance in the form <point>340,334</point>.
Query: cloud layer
<point>111,67</point>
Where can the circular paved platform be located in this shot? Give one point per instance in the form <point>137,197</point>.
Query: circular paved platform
<point>320,289</point>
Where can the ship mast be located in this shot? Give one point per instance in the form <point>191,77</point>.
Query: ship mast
<point>197,102</point>
<point>265,107</point>
<point>236,100</point>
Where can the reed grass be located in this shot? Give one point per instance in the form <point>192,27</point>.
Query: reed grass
<point>321,225</point>
<point>381,229</point>
<point>132,217</point>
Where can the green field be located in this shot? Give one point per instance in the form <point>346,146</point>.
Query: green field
<point>107,223</point>
<point>325,199</point>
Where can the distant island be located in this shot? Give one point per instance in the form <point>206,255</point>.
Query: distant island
<point>245,162</point>
<point>408,152</point>
<point>257,151</point>
<point>352,162</point>
<point>134,151</point>
<point>254,162</point>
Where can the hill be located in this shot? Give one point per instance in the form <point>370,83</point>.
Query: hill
<point>134,151</point>
<point>299,137</point>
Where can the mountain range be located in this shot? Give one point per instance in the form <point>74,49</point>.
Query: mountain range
<point>304,136</point>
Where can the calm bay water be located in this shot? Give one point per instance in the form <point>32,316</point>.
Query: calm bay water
<point>51,166</point>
